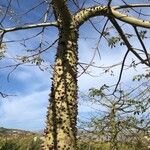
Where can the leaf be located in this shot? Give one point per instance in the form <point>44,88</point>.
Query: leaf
<point>38,60</point>
<point>2,50</point>
<point>143,34</point>
<point>113,41</point>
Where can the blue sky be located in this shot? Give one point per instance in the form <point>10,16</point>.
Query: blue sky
<point>31,86</point>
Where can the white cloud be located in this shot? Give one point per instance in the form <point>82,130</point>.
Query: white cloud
<point>23,75</point>
<point>22,110</point>
<point>29,112</point>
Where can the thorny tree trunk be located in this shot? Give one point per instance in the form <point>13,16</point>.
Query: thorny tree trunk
<point>60,133</point>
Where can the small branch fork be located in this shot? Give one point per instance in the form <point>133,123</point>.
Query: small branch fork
<point>142,43</point>
<point>130,48</point>
<point>3,95</point>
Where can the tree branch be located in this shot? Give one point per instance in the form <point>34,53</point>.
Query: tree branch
<point>131,6</point>
<point>142,43</point>
<point>129,46</point>
<point>30,26</point>
<point>129,20</point>
<point>4,95</point>
<point>86,14</point>
<point>121,71</point>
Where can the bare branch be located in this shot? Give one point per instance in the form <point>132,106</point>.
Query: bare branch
<point>129,46</point>
<point>142,43</point>
<point>131,6</point>
<point>30,26</point>
<point>9,3</point>
<point>3,95</point>
<point>121,71</point>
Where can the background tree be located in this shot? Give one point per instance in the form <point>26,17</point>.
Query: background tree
<point>122,119</point>
<point>68,17</point>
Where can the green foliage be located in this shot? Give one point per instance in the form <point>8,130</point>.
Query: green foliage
<point>20,143</point>
<point>106,146</point>
<point>113,41</point>
<point>24,59</point>
<point>139,77</point>
<point>34,143</point>
<point>37,60</point>
<point>10,145</point>
<point>142,34</point>
<point>93,146</point>
<point>2,50</point>
<point>95,92</point>
<point>98,92</point>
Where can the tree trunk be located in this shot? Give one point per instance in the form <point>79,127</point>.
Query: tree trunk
<point>113,129</point>
<point>60,133</point>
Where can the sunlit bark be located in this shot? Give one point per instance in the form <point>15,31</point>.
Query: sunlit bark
<point>62,111</point>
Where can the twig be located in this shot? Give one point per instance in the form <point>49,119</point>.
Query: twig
<point>142,43</point>
<point>129,46</point>
<point>121,71</point>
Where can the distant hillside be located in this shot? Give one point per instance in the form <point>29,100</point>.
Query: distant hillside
<point>5,131</point>
<point>15,139</point>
